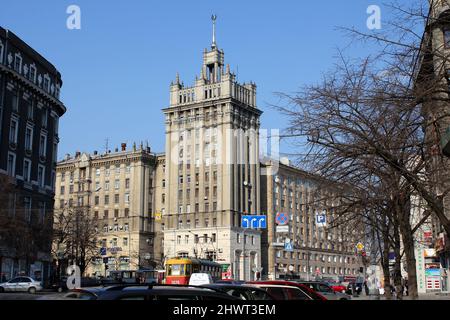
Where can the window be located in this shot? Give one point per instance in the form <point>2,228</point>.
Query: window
<point>46,83</point>
<point>13,130</point>
<point>116,213</point>
<point>55,152</point>
<point>18,63</point>
<point>30,110</point>
<point>105,214</point>
<point>62,190</point>
<point>97,172</point>
<point>125,242</point>
<point>11,164</point>
<point>127,183</point>
<point>127,212</point>
<point>126,227</point>
<point>43,145</point>
<point>32,73</point>
<point>97,200</point>
<point>107,172</point>
<point>41,176</point>
<point>71,189</point>
<point>106,185</point>
<point>27,170</point>
<point>128,168</point>
<point>118,169</point>
<point>28,138</point>
<point>27,207</point>
<point>116,198</point>
<point>127,198</point>
<point>106,199</point>
<point>117,184</point>
<point>1,52</point>
<point>44,118</point>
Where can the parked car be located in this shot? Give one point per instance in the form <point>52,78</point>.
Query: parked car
<point>337,287</point>
<point>21,284</point>
<point>230,281</point>
<point>244,292</point>
<point>148,292</point>
<point>325,290</point>
<point>283,292</point>
<point>313,295</point>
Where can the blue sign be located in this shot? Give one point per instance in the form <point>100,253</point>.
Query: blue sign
<point>288,246</point>
<point>321,220</point>
<point>103,251</point>
<point>281,219</point>
<point>254,222</point>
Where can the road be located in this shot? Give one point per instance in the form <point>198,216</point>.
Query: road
<point>27,296</point>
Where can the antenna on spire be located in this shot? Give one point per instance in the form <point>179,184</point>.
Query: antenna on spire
<point>214,18</point>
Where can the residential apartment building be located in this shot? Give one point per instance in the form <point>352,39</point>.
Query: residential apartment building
<point>117,189</point>
<point>212,168</point>
<point>317,250</point>
<point>30,109</point>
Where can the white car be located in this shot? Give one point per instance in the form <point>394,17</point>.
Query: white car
<point>21,284</point>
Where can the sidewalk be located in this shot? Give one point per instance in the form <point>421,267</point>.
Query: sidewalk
<point>423,296</point>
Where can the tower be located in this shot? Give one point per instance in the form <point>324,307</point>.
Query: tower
<point>212,167</point>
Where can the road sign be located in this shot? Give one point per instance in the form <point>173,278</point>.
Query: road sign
<point>288,246</point>
<point>282,219</point>
<point>103,251</point>
<point>254,222</point>
<point>282,229</point>
<point>321,219</point>
<point>360,246</point>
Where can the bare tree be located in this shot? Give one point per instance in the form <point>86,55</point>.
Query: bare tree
<point>75,237</point>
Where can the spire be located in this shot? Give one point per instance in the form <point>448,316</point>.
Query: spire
<point>214,18</point>
<point>177,80</point>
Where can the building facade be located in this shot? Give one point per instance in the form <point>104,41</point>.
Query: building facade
<point>29,114</point>
<point>212,168</point>
<point>432,80</point>
<point>316,251</point>
<point>117,189</point>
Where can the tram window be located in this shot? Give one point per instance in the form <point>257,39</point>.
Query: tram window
<point>188,269</point>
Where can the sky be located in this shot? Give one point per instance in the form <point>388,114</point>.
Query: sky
<point>117,68</point>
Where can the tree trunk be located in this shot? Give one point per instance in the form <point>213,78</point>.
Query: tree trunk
<point>385,264</point>
<point>397,266</point>
<point>408,246</point>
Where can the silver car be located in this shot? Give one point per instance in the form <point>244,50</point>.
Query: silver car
<point>21,284</point>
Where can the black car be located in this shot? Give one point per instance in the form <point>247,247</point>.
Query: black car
<point>242,292</point>
<point>150,293</point>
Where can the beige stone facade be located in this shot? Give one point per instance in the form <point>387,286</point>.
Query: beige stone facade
<point>212,168</point>
<point>118,190</point>
<point>317,251</point>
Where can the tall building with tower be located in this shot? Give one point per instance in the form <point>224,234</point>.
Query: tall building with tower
<point>212,167</point>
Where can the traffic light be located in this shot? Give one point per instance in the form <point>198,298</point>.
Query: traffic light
<point>106,267</point>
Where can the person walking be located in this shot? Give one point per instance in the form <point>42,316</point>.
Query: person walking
<point>366,288</point>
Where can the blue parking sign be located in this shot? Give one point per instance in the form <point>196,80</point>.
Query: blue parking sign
<point>103,251</point>
<point>321,220</point>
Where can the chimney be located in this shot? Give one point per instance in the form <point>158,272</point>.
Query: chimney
<point>124,147</point>
<point>77,154</point>
<point>116,150</point>
<point>95,152</point>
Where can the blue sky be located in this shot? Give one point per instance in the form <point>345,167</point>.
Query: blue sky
<point>118,67</point>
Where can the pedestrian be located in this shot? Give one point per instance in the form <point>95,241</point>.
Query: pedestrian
<point>406,287</point>
<point>366,288</point>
